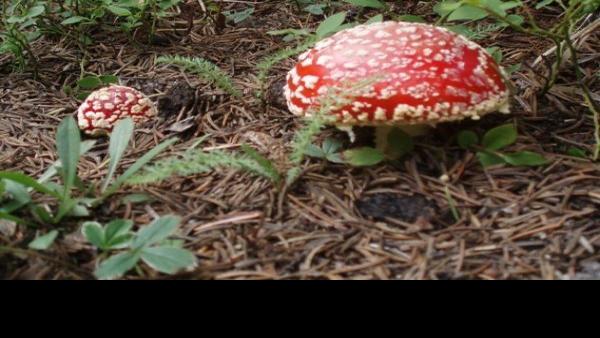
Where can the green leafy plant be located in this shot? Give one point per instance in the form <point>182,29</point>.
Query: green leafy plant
<point>16,187</point>
<point>25,21</point>
<point>398,145</point>
<point>327,151</point>
<point>115,235</point>
<point>82,15</point>
<point>561,34</point>
<point>150,245</point>
<point>488,152</point>
<point>18,30</point>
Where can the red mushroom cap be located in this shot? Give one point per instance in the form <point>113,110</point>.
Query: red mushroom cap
<point>424,74</point>
<point>100,111</point>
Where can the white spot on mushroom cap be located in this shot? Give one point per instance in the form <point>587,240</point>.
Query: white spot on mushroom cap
<point>103,107</point>
<point>409,54</point>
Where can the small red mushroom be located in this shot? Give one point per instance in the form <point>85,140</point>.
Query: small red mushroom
<point>100,111</point>
<point>424,75</point>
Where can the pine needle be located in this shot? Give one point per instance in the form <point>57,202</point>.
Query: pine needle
<point>205,70</point>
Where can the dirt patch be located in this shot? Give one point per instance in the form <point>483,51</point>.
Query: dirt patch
<point>405,208</point>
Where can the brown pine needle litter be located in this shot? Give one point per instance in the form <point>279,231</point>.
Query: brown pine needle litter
<point>336,222</point>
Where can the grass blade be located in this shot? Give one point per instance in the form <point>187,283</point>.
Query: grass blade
<point>118,143</point>
<point>28,182</point>
<point>68,142</point>
<point>137,166</point>
<point>51,171</point>
<point>12,218</point>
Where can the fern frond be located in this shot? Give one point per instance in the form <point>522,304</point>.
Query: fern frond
<point>197,161</point>
<point>205,70</point>
<point>335,98</point>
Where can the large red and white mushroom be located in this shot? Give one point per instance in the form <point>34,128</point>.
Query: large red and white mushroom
<point>100,111</point>
<point>422,74</point>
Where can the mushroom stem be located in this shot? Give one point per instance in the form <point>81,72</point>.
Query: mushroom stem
<point>348,130</point>
<point>381,137</point>
<point>382,133</point>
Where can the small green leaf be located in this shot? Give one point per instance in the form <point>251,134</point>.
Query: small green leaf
<point>82,95</point>
<point>399,144</point>
<point>500,137</point>
<point>515,19</point>
<point>73,20</point>
<point>156,231</point>
<point>119,11</point>
<point>364,156</point>
<point>488,160</point>
<point>330,25</point>
<point>543,4</point>
<point>576,152</point>
<point>444,8</point>
<point>117,265</point>
<point>316,9</point>
<point>314,151</point>
<point>367,3</point>
<point>136,198</point>
<point>331,145</point>
<point>411,18</point>
<point>374,19</point>
<point>467,139</point>
<point>15,196</point>
<point>118,227</point>
<point>89,82</point>
<point>167,259</point>
<point>35,11</point>
<point>525,158</point>
<point>506,5</point>
<point>43,242</point>
<point>467,12</point>
<point>79,210</point>
<point>117,233</point>
<point>109,79</point>
<point>94,233</point>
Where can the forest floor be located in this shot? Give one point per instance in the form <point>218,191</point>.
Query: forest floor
<point>336,222</point>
